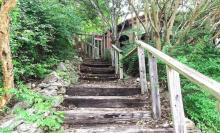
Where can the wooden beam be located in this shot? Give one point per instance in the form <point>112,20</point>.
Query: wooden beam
<point>155,94</point>
<point>142,70</point>
<point>176,100</point>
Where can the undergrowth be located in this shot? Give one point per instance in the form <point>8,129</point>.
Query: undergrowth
<point>39,109</point>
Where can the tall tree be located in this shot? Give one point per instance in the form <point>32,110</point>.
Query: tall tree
<point>5,51</point>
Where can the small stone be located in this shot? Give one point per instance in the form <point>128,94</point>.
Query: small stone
<point>138,80</point>
<point>33,85</point>
<point>22,105</point>
<point>189,123</point>
<point>49,92</point>
<point>43,85</point>
<point>61,67</point>
<point>62,90</point>
<point>58,101</point>
<point>58,84</point>
<point>51,78</point>
<point>10,122</point>
<point>166,124</point>
<point>51,88</point>
<point>29,128</point>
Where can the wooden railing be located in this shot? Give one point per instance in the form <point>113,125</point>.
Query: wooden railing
<point>174,69</point>
<point>117,56</point>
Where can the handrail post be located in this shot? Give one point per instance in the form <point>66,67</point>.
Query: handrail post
<point>142,69</point>
<point>113,56</point>
<point>121,71</point>
<point>176,100</point>
<point>116,62</point>
<point>155,93</point>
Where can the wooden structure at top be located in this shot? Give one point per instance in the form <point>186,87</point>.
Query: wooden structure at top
<point>97,47</point>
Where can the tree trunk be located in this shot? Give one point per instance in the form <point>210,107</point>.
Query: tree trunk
<point>5,51</point>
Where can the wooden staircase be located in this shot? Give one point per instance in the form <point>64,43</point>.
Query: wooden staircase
<point>93,69</point>
<point>105,109</point>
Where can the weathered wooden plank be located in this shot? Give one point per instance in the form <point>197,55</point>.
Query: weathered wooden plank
<point>194,76</point>
<point>142,69</point>
<point>97,70</point>
<point>116,129</point>
<point>105,115</point>
<point>155,94</point>
<point>176,100</point>
<point>94,91</point>
<point>105,101</point>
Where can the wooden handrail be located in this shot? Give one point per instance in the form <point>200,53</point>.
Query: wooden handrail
<point>117,49</point>
<point>196,77</point>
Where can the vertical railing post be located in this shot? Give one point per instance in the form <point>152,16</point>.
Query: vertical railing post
<point>104,43</point>
<point>155,94</point>
<point>116,62</point>
<point>121,71</point>
<point>113,56</point>
<point>142,69</point>
<point>176,102</point>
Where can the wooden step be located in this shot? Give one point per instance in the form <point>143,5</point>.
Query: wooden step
<point>105,115</point>
<point>104,101</point>
<point>95,70</point>
<point>98,64</point>
<point>85,76</point>
<point>116,129</point>
<point>88,91</point>
<point>93,60</point>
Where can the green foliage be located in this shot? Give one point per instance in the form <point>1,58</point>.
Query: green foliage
<point>130,63</point>
<point>42,112</point>
<point>199,105</point>
<point>107,56</point>
<point>41,31</point>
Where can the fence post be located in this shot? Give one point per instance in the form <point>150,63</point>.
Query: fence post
<point>142,69</point>
<point>155,94</point>
<point>176,100</point>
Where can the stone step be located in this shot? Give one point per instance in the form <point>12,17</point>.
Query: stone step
<point>104,101</point>
<point>97,77</point>
<point>97,70</point>
<point>88,91</point>
<point>116,129</point>
<point>105,116</point>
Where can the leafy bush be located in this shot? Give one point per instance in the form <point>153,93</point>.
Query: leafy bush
<point>41,31</point>
<point>199,105</point>
<point>42,112</point>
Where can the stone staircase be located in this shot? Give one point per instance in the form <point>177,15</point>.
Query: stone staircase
<point>111,109</point>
